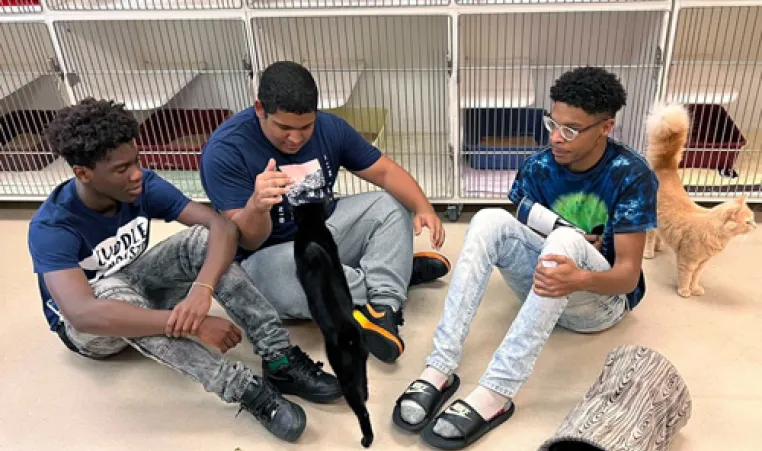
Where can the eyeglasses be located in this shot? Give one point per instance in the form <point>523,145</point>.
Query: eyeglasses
<point>567,133</point>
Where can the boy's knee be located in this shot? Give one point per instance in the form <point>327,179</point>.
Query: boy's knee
<point>487,220</point>
<point>386,203</point>
<point>565,235</point>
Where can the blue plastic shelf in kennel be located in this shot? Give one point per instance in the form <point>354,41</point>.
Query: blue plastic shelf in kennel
<point>502,138</point>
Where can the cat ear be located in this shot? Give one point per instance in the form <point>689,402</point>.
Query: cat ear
<point>731,210</point>
<point>742,200</point>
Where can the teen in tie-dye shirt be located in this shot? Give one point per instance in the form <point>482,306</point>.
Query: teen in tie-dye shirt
<point>617,195</point>
<point>584,282</point>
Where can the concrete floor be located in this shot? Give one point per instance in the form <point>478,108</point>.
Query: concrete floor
<point>54,400</point>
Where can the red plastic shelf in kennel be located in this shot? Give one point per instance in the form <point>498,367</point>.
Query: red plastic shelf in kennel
<point>714,140</point>
<point>172,139</point>
<point>19,2</point>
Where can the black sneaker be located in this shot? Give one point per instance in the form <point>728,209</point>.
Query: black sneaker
<point>428,266</point>
<point>379,324</point>
<point>296,374</point>
<point>278,415</point>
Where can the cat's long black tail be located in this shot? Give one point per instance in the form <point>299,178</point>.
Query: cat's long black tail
<point>354,398</point>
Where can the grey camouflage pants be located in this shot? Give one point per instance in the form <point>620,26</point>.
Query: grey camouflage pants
<point>161,278</point>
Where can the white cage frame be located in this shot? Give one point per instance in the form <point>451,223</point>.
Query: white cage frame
<point>50,14</point>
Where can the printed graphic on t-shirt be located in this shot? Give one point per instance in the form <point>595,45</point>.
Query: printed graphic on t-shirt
<point>309,182</point>
<point>585,210</point>
<point>116,252</point>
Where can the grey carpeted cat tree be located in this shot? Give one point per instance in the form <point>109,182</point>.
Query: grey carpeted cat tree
<point>638,403</point>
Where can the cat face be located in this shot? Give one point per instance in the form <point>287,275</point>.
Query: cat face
<point>739,219</point>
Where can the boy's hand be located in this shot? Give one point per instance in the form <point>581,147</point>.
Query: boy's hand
<point>219,333</point>
<point>269,188</point>
<point>187,316</point>
<point>436,230</point>
<point>561,278</point>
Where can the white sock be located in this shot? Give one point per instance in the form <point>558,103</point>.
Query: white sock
<point>411,411</point>
<point>486,402</point>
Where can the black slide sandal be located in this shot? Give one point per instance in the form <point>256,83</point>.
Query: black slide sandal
<point>428,397</point>
<point>468,422</point>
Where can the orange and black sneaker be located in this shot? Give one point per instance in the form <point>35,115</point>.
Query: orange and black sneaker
<point>428,266</point>
<point>379,324</point>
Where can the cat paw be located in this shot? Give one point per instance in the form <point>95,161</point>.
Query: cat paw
<point>697,291</point>
<point>684,292</point>
<point>649,254</point>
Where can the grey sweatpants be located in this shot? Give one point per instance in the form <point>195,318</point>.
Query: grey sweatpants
<point>374,233</point>
<point>161,278</point>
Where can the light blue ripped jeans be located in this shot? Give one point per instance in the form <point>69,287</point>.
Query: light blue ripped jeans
<point>496,239</point>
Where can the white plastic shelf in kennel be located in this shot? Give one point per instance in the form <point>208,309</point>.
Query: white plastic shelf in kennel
<point>386,75</point>
<point>716,70</point>
<point>508,63</point>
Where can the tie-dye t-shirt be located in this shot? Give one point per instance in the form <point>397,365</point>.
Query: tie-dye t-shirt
<point>617,195</point>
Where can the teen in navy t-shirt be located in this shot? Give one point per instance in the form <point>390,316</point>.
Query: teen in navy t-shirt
<point>103,290</point>
<point>238,151</point>
<point>65,234</point>
<point>283,149</point>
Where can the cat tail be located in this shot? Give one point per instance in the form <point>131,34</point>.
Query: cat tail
<point>667,131</point>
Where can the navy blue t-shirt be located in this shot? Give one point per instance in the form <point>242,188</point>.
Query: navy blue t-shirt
<point>64,233</point>
<point>618,195</point>
<point>238,151</point>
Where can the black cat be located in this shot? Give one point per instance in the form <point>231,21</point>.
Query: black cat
<point>321,275</point>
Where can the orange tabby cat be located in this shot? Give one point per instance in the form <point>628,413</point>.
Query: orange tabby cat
<point>695,233</point>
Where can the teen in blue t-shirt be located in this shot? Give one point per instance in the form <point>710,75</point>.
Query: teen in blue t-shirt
<point>102,288</point>
<point>284,146</point>
<point>584,279</point>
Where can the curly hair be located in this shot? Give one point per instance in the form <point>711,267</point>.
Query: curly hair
<point>289,87</point>
<point>85,133</point>
<point>592,89</point>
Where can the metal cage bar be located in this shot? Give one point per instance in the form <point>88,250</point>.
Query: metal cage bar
<point>138,5</point>
<point>544,2</point>
<point>180,79</point>
<point>182,76</point>
<point>31,92</point>
<point>333,4</point>
<point>717,73</point>
<point>385,75</point>
<point>508,62</point>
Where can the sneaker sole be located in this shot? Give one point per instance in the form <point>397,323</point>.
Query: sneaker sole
<point>435,256</point>
<point>435,273</point>
<point>320,398</point>
<point>379,341</point>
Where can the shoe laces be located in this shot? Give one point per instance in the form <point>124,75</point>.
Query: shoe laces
<point>265,402</point>
<point>302,363</point>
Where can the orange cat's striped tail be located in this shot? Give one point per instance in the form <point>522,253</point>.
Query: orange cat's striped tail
<point>667,131</point>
